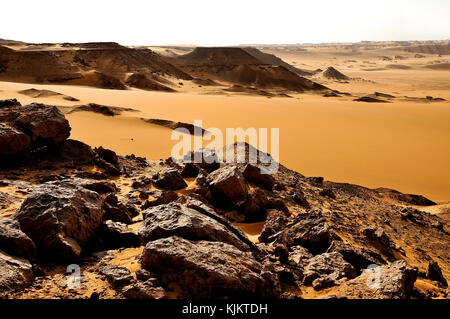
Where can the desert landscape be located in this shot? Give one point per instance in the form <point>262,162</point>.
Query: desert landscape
<point>87,177</point>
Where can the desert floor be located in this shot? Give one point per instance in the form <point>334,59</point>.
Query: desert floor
<point>401,145</point>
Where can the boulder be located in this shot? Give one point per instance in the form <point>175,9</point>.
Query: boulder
<point>117,214</point>
<point>190,170</point>
<point>393,281</point>
<point>77,151</point>
<point>161,198</point>
<point>275,222</point>
<point>143,290</point>
<point>170,179</point>
<point>12,141</point>
<point>358,257</point>
<point>311,232</point>
<point>299,256</point>
<point>117,235</point>
<point>98,186</point>
<point>44,124</point>
<point>434,272</point>
<point>328,268</point>
<point>61,218</point>
<point>300,199</point>
<point>15,273</point>
<point>327,192</point>
<point>178,220</point>
<point>9,102</point>
<point>228,186</point>
<point>15,242</point>
<point>205,158</point>
<point>205,269</point>
<point>116,276</point>
<point>198,204</point>
<point>257,175</point>
<point>107,155</point>
<point>254,207</point>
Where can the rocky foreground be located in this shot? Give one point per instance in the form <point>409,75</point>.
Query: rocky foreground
<point>146,229</point>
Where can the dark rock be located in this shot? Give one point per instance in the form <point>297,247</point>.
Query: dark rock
<point>143,290</point>
<point>418,200</point>
<point>117,276</point>
<point>117,214</point>
<point>203,207</point>
<point>377,235</point>
<point>259,176</point>
<point>101,187</point>
<point>130,207</point>
<point>117,235</point>
<point>15,242</point>
<point>109,169</point>
<point>393,281</point>
<point>12,141</point>
<point>108,155</point>
<point>316,181</point>
<point>300,199</point>
<point>434,272</point>
<point>284,274</point>
<point>358,257</point>
<point>254,207</point>
<point>205,269</point>
<point>15,273</point>
<point>9,102</point>
<point>178,220</point>
<point>204,158</point>
<point>328,192</point>
<point>61,218</point>
<point>77,151</point>
<point>170,179</point>
<point>370,99</point>
<point>275,222</point>
<point>190,170</point>
<point>228,186</point>
<point>145,275</point>
<point>328,268</point>
<point>299,256</point>
<point>44,124</point>
<point>278,204</point>
<point>164,197</point>
<point>311,232</point>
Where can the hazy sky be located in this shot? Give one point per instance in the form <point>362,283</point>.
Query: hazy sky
<point>226,22</point>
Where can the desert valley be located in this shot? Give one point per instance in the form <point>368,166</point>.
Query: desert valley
<point>86,176</point>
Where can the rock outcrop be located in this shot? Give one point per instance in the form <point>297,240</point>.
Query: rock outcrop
<point>178,220</point>
<point>207,269</point>
<point>15,273</point>
<point>61,218</point>
<point>228,186</point>
<point>15,242</point>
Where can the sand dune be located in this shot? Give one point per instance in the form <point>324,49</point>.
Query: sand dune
<point>243,66</point>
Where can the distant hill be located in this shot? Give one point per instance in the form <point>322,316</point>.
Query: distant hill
<point>244,66</point>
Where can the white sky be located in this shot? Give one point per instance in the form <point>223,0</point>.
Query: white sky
<point>226,22</point>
